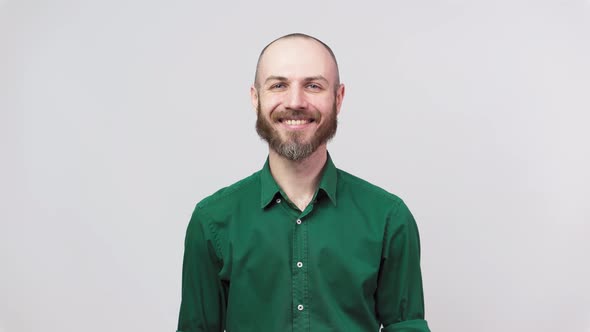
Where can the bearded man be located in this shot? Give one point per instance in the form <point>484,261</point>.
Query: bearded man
<point>301,245</point>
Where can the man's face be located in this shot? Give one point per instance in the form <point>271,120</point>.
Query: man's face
<point>297,97</point>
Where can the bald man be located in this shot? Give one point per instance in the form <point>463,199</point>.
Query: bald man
<point>301,245</point>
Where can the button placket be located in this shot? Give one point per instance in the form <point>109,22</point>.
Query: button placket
<point>299,276</point>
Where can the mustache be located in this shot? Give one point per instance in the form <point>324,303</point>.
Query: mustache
<point>295,115</point>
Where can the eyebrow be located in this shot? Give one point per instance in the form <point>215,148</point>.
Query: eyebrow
<point>316,78</point>
<point>275,78</point>
<point>307,79</point>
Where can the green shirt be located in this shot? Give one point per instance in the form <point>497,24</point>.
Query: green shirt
<point>254,262</point>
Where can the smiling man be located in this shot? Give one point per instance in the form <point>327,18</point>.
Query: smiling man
<point>301,245</point>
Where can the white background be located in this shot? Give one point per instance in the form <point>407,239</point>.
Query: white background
<point>116,117</point>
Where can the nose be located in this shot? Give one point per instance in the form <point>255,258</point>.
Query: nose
<point>296,99</point>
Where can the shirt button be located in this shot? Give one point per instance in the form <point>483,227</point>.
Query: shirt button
<point>298,221</point>
<point>278,200</point>
<point>299,264</point>
<point>300,307</point>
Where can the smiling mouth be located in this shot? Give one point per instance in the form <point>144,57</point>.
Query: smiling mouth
<point>295,119</point>
<point>296,122</point>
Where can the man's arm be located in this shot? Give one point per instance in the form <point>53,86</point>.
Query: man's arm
<point>203,301</point>
<point>400,298</point>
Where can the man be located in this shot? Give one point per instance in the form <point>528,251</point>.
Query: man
<point>301,245</point>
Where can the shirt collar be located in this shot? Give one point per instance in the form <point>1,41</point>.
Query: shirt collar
<point>269,187</point>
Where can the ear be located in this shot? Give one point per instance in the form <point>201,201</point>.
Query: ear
<point>254,97</point>
<point>339,97</point>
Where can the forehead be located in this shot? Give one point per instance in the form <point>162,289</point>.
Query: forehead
<point>297,58</point>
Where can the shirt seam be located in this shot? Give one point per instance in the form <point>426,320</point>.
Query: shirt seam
<point>207,220</point>
<point>391,215</point>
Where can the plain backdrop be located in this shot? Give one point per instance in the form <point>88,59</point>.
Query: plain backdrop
<point>117,117</point>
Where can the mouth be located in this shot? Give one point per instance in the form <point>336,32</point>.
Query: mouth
<point>295,122</point>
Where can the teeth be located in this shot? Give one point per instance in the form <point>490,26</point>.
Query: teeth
<point>295,122</point>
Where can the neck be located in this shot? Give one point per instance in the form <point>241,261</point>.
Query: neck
<point>298,179</point>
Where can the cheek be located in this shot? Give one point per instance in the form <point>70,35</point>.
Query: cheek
<point>269,104</point>
<point>323,102</point>
<point>325,107</point>
<point>266,111</point>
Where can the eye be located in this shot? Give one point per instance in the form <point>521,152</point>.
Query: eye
<point>279,85</point>
<point>314,86</point>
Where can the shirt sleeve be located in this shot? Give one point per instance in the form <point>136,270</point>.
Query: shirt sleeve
<point>202,308</point>
<point>400,297</point>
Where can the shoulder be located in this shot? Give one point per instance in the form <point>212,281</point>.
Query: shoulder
<point>389,207</point>
<point>358,187</point>
<point>366,195</point>
<point>244,191</point>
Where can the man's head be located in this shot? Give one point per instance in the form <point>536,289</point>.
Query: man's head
<point>297,95</point>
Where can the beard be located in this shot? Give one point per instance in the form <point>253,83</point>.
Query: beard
<point>294,147</point>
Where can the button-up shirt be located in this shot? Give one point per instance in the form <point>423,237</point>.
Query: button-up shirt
<point>349,262</point>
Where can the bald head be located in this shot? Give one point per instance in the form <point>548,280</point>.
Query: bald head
<point>290,43</point>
